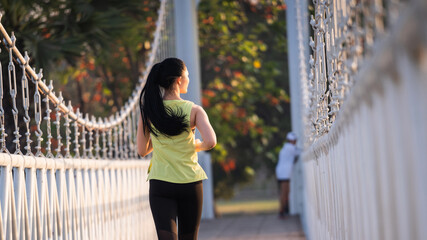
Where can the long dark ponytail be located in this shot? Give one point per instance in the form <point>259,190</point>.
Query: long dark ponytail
<point>153,111</point>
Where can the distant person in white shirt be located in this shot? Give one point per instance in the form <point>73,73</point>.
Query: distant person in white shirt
<point>287,157</point>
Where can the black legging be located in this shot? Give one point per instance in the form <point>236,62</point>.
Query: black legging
<point>170,201</point>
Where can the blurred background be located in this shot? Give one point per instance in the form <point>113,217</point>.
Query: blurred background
<point>352,73</point>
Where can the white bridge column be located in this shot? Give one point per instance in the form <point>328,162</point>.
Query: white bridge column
<point>297,36</point>
<point>187,49</point>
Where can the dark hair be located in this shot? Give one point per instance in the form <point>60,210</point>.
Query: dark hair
<point>153,111</point>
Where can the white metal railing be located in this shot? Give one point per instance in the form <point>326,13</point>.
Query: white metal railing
<point>345,34</point>
<point>365,159</point>
<point>92,185</point>
<point>43,198</point>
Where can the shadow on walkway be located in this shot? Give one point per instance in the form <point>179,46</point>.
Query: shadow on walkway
<point>252,227</point>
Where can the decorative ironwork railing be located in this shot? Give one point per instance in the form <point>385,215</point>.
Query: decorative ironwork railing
<point>346,33</point>
<point>365,157</point>
<point>75,188</point>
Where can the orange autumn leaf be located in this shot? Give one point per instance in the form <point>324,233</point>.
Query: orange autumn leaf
<point>91,66</point>
<point>232,164</point>
<point>208,20</point>
<point>46,35</point>
<point>205,102</point>
<point>97,97</point>
<point>250,123</point>
<point>241,113</point>
<point>237,74</point>
<point>225,116</point>
<point>274,101</point>
<point>209,93</point>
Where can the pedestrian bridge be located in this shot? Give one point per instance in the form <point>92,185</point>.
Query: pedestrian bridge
<point>358,101</point>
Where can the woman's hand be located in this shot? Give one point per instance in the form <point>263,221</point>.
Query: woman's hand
<point>198,144</point>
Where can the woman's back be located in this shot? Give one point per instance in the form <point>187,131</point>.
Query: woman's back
<point>174,157</point>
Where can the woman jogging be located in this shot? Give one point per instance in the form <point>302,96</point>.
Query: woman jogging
<point>166,127</point>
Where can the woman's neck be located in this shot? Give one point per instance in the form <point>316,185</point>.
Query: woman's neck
<point>172,95</point>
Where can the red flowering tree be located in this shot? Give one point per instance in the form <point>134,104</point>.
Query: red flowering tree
<point>245,83</point>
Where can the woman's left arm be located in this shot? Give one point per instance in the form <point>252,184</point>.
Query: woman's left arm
<point>143,140</point>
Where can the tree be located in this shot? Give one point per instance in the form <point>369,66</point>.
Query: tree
<point>244,81</point>
<point>100,42</point>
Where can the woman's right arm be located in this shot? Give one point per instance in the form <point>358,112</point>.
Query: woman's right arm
<point>205,128</point>
<point>143,140</point>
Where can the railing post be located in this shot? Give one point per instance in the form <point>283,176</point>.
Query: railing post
<point>299,81</point>
<point>13,91</point>
<point>38,113</point>
<point>58,126</point>
<point>76,135</point>
<point>47,118</point>
<point>2,126</point>
<point>68,131</point>
<point>26,104</point>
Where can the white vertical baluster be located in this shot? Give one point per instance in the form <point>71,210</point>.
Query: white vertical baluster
<point>58,126</point>
<point>26,105</point>
<point>76,135</point>
<point>110,141</point>
<point>13,91</point>
<point>83,138</point>
<point>48,127</point>
<point>90,147</point>
<point>116,139</point>
<point>68,131</point>
<point>104,140</point>
<point>97,147</point>
<point>38,113</point>
<point>2,129</point>
<point>125,146</point>
<point>120,137</point>
<point>53,201</point>
<point>132,130</point>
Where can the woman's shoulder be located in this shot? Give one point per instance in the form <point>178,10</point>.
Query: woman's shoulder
<point>188,102</point>
<point>196,108</point>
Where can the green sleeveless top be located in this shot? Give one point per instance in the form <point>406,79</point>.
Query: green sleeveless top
<point>174,157</point>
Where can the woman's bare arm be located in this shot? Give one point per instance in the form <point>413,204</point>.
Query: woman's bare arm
<point>143,140</point>
<point>205,128</point>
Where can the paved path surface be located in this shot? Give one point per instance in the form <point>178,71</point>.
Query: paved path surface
<point>251,227</point>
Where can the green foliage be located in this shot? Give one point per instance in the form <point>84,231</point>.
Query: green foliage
<point>243,51</point>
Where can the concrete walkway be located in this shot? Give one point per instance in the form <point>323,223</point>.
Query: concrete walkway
<point>251,227</point>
